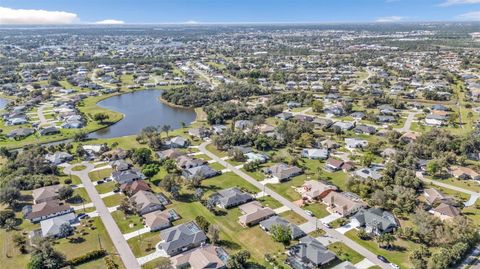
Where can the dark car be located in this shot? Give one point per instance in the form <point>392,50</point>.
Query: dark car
<point>100,182</point>
<point>383,259</point>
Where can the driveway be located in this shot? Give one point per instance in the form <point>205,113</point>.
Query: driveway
<point>123,249</point>
<point>313,221</point>
<point>330,218</point>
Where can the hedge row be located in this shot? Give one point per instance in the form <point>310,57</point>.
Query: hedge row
<point>90,256</point>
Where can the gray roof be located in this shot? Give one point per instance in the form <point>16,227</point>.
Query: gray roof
<point>233,197</point>
<point>376,217</point>
<point>51,227</point>
<point>181,236</point>
<point>276,220</point>
<point>311,249</point>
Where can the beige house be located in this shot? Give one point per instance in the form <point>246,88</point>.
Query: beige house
<point>316,190</point>
<point>201,258</point>
<point>254,213</point>
<point>45,194</point>
<point>446,211</point>
<point>462,172</point>
<point>343,203</point>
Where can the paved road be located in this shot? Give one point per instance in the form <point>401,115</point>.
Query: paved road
<point>123,249</point>
<point>473,195</point>
<point>408,123</point>
<point>311,220</point>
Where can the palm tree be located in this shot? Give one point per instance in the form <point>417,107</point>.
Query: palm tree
<point>166,128</point>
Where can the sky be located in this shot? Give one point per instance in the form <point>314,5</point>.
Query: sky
<point>234,11</point>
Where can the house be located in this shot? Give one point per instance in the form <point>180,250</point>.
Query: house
<point>171,154</point>
<point>44,194</point>
<point>309,253</point>
<point>282,171</point>
<point>218,129</point>
<point>333,164</point>
<point>375,220</point>
<point>232,197</point>
<point>330,144</point>
<point>185,162</point>
<point>181,238</point>
<point>434,120</point>
<point>177,142</point>
<point>253,213</point>
<point>284,116</point>
<point>434,196</point>
<point>199,132</point>
<point>45,210</point>
<point>315,154</point>
<point>445,211</point>
<point>120,165</point>
<point>114,154</point>
<point>202,172</point>
<point>243,124</point>
<point>49,131</point>
<point>364,129</point>
<point>203,257</point>
<point>133,187</point>
<point>388,153</point>
<point>386,119</point>
<point>358,115</point>
<point>51,227</point>
<point>343,203</point>
<point>256,157</point>
<point>409,137</point>
<point>316,190</point>
<point>127,176</point>
<point>368,173</point>
<point>464,173</point>
<point>159,220</point>
<point>344,125</point>
<point>322,123</point>
<point>353,143</point>
<point>20,133</point>
<point>146,202</point>
<point>58,157</point>
<point>295,231</point>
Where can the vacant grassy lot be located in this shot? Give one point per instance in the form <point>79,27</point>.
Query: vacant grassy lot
<point>113,200</point>
<point>100,174</point>
<point>127,223</point>
<point>345,253</point>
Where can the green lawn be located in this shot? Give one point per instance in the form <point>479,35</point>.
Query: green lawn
<point>345,253</point>
<point>233,236</point>
<point>153,264</point>
<point>228,180</point>
<point>105,187</point>
<point>100,174</point>
<point>319,210</point>
<point>287,190</point>
<point>293,217</point>
<point>270,202</point>
<point>79,168</point>
<point>127,223</point>
<point>214,150</point>
<point>216,166</point>
<point>95,238</point>
<point>399,257</point>
<point>113,200</point>
<point>144,244</point>
<point>82,193</point>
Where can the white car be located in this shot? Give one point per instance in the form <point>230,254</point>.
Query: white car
<point>308,212</point>
<point>394,266</point>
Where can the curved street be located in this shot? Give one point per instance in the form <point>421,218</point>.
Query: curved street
<point>123,249</point>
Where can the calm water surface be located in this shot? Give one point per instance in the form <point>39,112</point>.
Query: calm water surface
<point>141,109</point>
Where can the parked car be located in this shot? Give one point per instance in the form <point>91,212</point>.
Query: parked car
<point>383,259</point>
<point>308,212</point>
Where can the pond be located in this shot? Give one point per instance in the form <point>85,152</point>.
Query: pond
<point>142,109</point>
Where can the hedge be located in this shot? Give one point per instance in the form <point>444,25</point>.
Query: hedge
<point>90,256</point>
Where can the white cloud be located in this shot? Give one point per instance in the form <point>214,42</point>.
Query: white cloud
<point>191,22</point>
<point>110,21</point>
<point>459,2</point>
<point>470,16</point>
<point>35,16</point>
<point>390,19</point>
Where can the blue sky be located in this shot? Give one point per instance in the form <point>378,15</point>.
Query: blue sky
<point>232,11</point>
